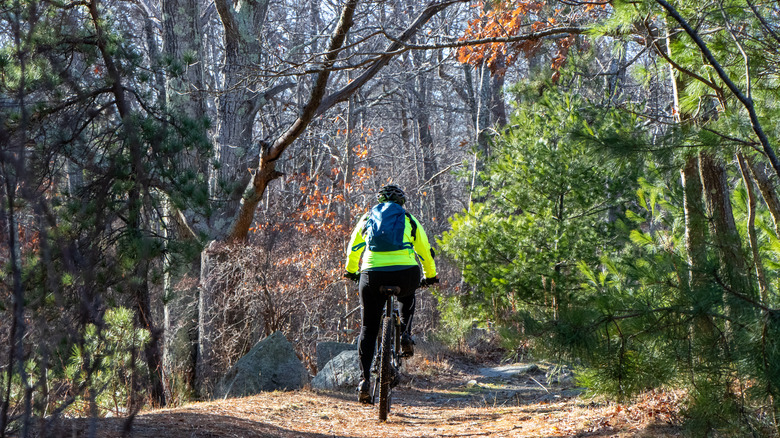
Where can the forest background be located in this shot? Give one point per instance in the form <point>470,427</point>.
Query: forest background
<point>179,178</point>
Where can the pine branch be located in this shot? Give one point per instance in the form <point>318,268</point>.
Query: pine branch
<point>746,101</point>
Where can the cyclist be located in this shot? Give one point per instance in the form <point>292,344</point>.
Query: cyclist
<point>387,268</point>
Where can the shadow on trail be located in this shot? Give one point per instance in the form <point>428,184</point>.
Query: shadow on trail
<point>652,430</point>
<point>463,397</point>
<point>179,425</point>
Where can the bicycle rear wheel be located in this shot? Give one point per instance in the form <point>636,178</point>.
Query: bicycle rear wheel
<point>385,371</point>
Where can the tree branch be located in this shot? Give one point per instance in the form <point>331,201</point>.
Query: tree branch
<point>744,100</point>
<point>393,49</point>
<point>270,93</point>
<point>764,23</point>
<point>270,154</point>
<point>318,90</point>
<point>508,39</point>
<point>660,51</point>
<point>228,21</point>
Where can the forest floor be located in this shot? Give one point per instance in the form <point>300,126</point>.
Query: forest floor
<point>439,396</point>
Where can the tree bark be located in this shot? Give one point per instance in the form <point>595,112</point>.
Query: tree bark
<point>768,189</point>
<point>497,107</point>
<point>733,270</point>
<point>238,106</point>
<point>763,287</point>
<point>183,47</point>
<point>12,165</point>
<point>205,371</point>
<point>695,224</point>
<point>484,98</point>
<point>349,155</point>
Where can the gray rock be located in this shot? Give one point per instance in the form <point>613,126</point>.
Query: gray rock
<point>328,350</point>
<point>508,371</point>
<point>343,371</point>
<point>270,365</point>
<point>560,375</point>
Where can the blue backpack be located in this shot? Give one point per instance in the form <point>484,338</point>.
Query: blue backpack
<point>384,229</point>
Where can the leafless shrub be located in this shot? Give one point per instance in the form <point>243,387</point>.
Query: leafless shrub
<point>271,285</point>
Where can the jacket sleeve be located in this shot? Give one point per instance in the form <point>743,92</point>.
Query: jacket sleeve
<point>424,251</point>
<point>356,246</point>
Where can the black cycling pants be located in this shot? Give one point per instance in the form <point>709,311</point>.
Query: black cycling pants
<point>373,304</point>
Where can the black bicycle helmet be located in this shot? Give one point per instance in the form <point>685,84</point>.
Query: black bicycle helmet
<point>391,193</point>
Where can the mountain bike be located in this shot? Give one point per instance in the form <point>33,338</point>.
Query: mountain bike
<point>389,358</point>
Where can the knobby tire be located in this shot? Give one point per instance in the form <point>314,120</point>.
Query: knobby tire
<point>385,371</point>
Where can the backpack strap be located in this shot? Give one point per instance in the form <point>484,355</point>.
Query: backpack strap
<point>414,225</point>
<point>365,223</point>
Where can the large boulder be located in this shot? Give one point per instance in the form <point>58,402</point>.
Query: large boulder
<point>327,350</point>
<point>270,365</point>
<point>343,371</point>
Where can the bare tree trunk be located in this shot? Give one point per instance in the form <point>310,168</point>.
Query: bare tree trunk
<point>768,189</point>
<point>349,162</point>
<point>497,107</point>
<point>763,287</point>
<point>418,90</point>
<point>154,53</point>
<point>205,371</point>
<point>483,109</point>
<point>152,350</point>
<point>471,96</point>
<point>182,45</point>
<point>695,224</point>
<point>482,121</point>
<point>10,171</point>
<point>13,162</point>
<point>238,106</point>
<point>702,329</point>
<point>733,270</point>
<point>134,203</point>
<point>349,154</point>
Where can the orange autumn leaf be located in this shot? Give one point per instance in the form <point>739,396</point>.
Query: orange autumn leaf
<point>510,18</point>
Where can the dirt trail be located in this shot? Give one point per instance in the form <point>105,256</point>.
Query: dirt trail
<point>443,398</point>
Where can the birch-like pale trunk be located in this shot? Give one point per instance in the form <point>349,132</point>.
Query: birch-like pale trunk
<point>763,286</point>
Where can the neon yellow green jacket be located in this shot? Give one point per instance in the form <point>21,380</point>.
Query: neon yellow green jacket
<point>387,260</point>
